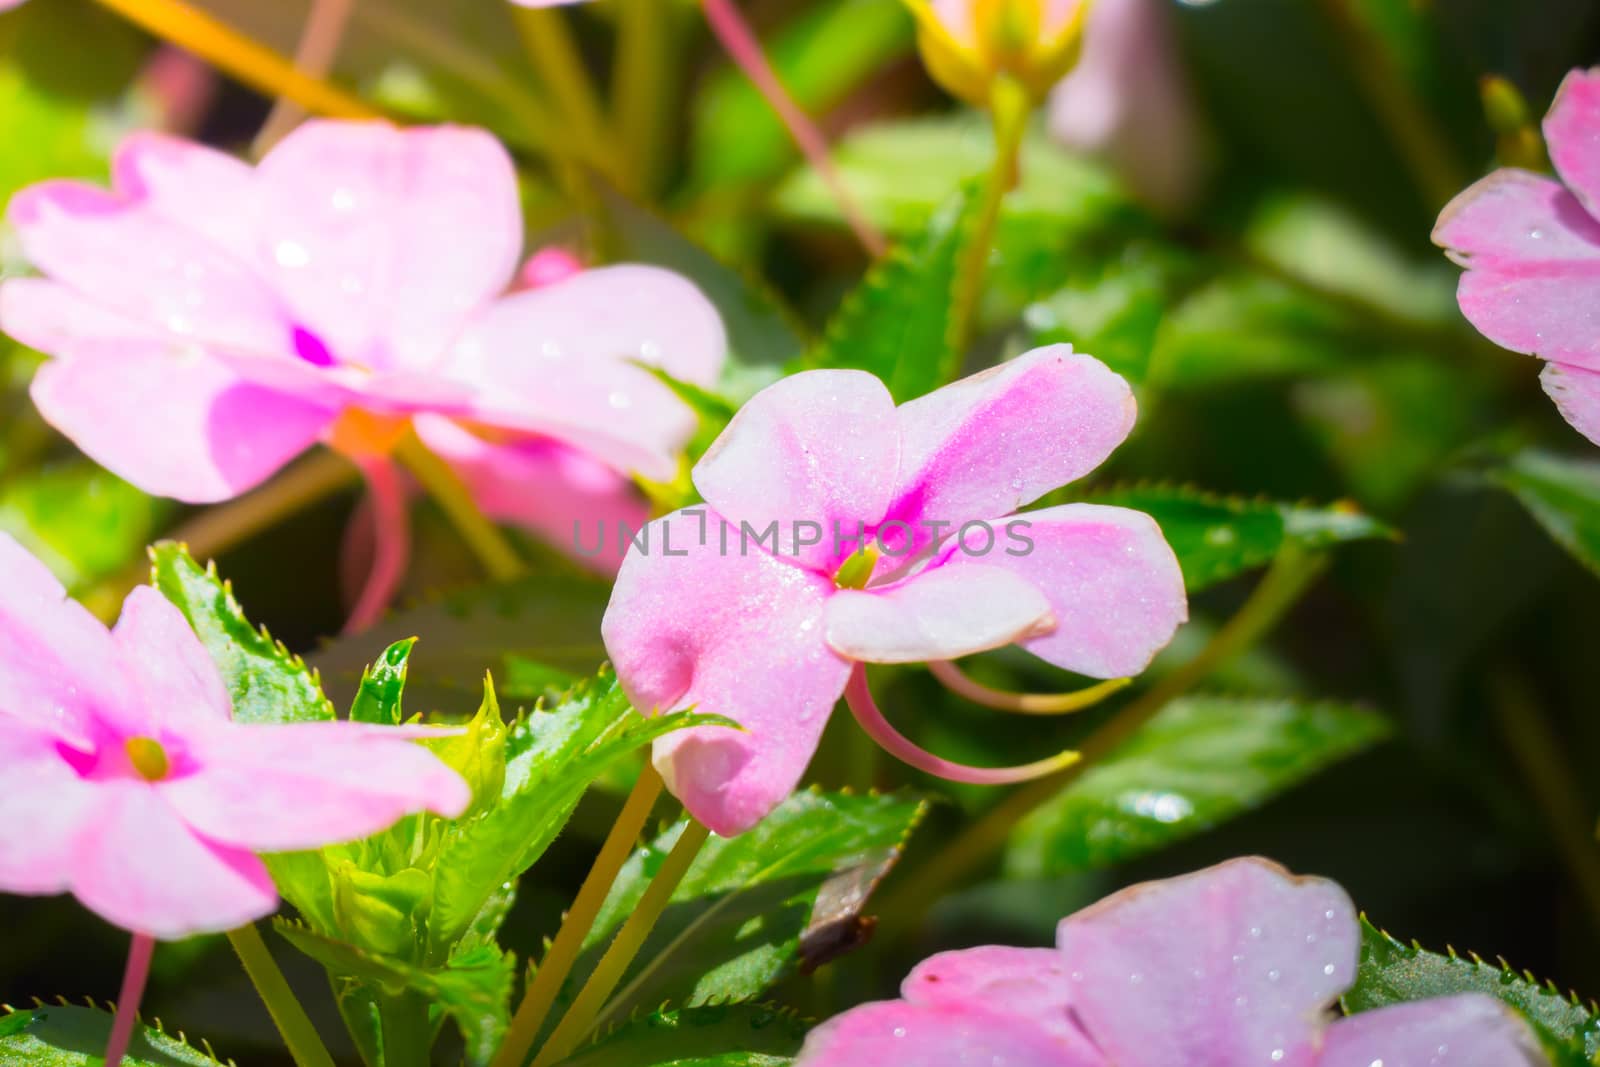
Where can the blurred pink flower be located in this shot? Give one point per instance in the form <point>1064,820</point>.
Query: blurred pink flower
<point>211,320</point>
<point>1127,102</point>
<point>769,634</point>
<point>128,785</point>
<point>1531,246</point>
<point>1236,965</point>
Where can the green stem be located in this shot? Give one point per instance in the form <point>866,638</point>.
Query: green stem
<point>499,559</point>
<point>644,83</point>
<point>608,972</point>
<point>1290,575</point>
<point>561,70</point>
<point>1009,106</point>
<point>406,1030</point>
<point>563,953</point>
<point>290,1018</point>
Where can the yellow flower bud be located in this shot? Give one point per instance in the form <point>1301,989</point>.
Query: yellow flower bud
<point>969,45</point>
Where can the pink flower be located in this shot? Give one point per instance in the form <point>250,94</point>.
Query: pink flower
<point>770,633</point>
<point>1531,246</point>
<point>128,785</point>
<point>211,320</point>
<point>1237,965</point>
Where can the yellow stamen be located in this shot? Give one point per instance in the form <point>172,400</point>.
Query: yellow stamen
<point>148,758</point>
<point>856,571</point>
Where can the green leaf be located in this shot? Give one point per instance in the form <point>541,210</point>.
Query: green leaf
<point>1199,762</point>
<point>65,1035</point>
<point>268,684</point>
<point>899,324</point>
<point>1391,972</point>
<point>382,684</point>
<point>83,521</point>
<point>718,1035</point>
<point>1563,496</point>
<point>735,923</point>
<point>1217,537</point>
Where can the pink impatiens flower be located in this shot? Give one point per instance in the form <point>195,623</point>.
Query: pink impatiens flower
<point>1234,966</point>
<point>211,320</point>
<point>762,607</point>
<point>128,785</point>
<point>1531,246</point>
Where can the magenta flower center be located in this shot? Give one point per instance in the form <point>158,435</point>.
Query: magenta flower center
<point>149,759</point>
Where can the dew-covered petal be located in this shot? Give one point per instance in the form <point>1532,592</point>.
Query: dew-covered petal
<point>819,447</point>
<point>139,866</point>
<point>192,185</point>
<point>1113,583</point>
<point>384,241</point>
<point>173,681</point>
<point>894,1032</point>
<point>1576,393</point>
<point>732,633</point>
<point>1028,983</point>
<point>45,807</point>
<point>1472,1030</point>
<point>176,424</point>
<point>941,613</point>
<point>50,316</point>
<point>1235,964</point>
<point>1572,130</point>
<point>304,785</point>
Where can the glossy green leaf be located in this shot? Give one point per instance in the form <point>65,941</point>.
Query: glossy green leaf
<point>713,1035</point>
<point>68,1035</point>
<point>1217,537</point>
<point>736,921</point>
<point>1391,972</point>
<point>1563,496</point>
<point>81,520</point>
<point>268,684</point>
<point>1200,762</point>
<point>899,323</point>
<point>382,686</point>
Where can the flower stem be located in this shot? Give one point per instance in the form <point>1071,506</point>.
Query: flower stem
<point>563,953</point>
<point>1290,575</point>
<point>133,979</point>
<point>561,70</point>
<point>1009,106</point>
<point>608,972</point>
<point>952,678</point>
<point>745,49</point>
<point>250,62</point>
<point>313,57</point>
<point>499,559</point>
<point>644,85</point>
<point>391,544</point>
<point>305,1047</point>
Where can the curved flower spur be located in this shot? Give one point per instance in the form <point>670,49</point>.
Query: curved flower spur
<point>840,530</point>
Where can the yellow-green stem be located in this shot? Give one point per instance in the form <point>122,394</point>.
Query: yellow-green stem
<point>608,972</point>
<point>561,70</point>
<point>290,1018</point>
<point>643,88</point>
<point>313,57</point>
<point>499,559</point>
<point>563,953</point>
<point>1009,105</point>
<point>229,51</point>
<point>1290,575</point>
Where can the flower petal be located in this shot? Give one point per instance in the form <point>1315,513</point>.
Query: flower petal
<point>174,681</point>
<point>941,613</point>
<point>818,447</point>
<point>177,425</point>
<point>1532,255</point>
<point>1478,1030</point>
<point>191,185</point>
<point>50,316</point>
<point>1233,964</point>
<point>305,785</point>
<point>893,1032</point>
<point>1113,584</point>
<point>140,867</point>
<point>384,241</point>
<point>1576,393</point>
<point>729,633</point>
<point>1026,983</point>
<point>45,807</point>
<point>990,443</point>
<point>1572,129</point>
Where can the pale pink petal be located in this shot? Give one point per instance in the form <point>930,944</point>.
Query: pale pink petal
<point>894,1033</point>
<point>732,633</point>
<point>140,867</point>
<point>1113,583</point>
<point>173,680</point>
<point>574,502</point>
<point>1572,129</point>
<point>1235,964</point>
<point>304,785</point>
<point>45,807</point>
<point>385,240</point>
<point>133,261</point>
<point>1471,1030</point>
<point>1532,255</point>
<point>174,424</point>
<point>941,613</point>
<point>50,316</point>
<point>988,444</point>
<point>819,447</point>
<point>1576,392</point>
<point>1027,983</point>
<point>191,185</point>
<point>57,662</point>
